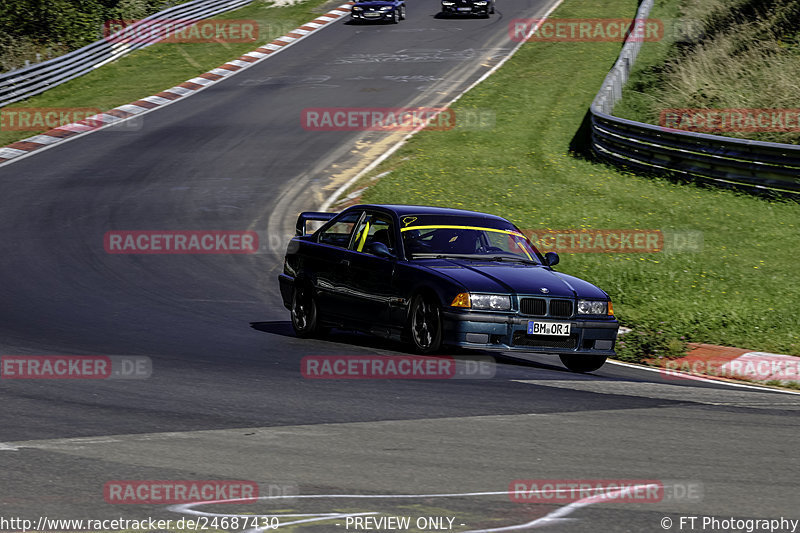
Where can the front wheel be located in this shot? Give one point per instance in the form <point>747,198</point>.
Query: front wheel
<point>403,13</point>
<point>395,16</point>
<point>305,318</point>
<point>583,363</point>
<point>426,324</point>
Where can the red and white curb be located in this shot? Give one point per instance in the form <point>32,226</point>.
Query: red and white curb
<point>20,149</point>
<point>727,361</point>
<point>710,362</point>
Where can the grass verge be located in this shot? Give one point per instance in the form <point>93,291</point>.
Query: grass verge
<point>744,56</point>
<point>165,65</point>
<point>740,289</point>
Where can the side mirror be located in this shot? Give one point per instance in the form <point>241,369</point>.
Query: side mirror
<point>379,249</point>
<point>551,259</point>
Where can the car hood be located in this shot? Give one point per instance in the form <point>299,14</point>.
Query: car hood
<point>373,4</point>
<point>520,278</point>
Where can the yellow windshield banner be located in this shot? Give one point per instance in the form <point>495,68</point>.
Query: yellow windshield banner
<point>507,232</point>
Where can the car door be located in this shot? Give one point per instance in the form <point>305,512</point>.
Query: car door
<point>327,264</point>
<point>370,281</point>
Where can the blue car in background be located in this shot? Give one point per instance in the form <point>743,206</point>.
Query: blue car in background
<point>432,276</point>
<point>388,10</point>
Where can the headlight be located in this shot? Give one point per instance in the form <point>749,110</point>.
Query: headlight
<point>356,8</point>
<point>481,3</point>
<point>493,302</point>
<point>592,307</point>
<point>386,8</point>
<point>448,3</point>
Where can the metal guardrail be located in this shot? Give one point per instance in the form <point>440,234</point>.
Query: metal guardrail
<point>739,163</point>
<point>29,81</point>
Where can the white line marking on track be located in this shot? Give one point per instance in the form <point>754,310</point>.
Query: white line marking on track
<point>550,518</point>
<point>693,377</point>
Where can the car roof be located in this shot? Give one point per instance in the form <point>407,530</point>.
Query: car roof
<point>402,210</point>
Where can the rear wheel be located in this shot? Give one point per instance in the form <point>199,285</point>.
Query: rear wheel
<point>426,324</point>
<point>583,363</point>
<point>305,318</point>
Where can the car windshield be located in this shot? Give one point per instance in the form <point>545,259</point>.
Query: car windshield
<point>467,241</point>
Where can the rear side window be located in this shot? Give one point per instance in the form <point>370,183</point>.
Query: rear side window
<point>339,233</point>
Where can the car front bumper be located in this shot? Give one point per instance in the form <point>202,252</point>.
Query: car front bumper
<point>508,332</point>
<point>372,15</point>
<point>466,10</point>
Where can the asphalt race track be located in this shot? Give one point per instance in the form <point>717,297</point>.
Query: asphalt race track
<point>226,399</point>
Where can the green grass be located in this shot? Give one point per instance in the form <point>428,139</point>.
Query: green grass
<point>749,58</point>
<point>161,66</point>
<point>740,290</point>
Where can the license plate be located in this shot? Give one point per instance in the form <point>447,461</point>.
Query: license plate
<point>561,329</point>
<point>465,9</point>
<point>372,14</point>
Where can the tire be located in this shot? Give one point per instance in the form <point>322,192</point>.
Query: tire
<point>583,363</point>
<point>492,10</point>
<point>425,324</point>
<point>403,13</point>
<point>305,318</point>
<point>395,16</point>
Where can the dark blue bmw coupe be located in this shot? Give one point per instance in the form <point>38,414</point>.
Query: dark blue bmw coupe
<point>433,276</point>
<point>371,10</point>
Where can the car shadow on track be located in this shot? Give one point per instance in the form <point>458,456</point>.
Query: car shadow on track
<point>344,338</point>
<point>335,336</point>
